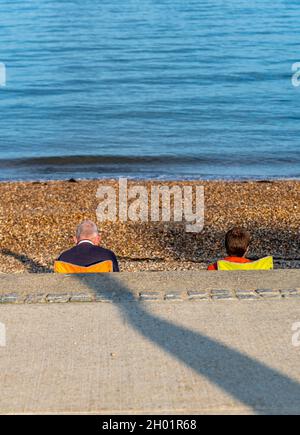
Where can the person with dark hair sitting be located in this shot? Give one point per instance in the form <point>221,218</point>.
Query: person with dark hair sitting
<point>237,241</point>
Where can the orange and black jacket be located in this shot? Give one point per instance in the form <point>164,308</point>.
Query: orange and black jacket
<point>86,254</point>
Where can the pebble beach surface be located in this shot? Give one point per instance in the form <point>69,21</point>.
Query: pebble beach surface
<point>37,222</point>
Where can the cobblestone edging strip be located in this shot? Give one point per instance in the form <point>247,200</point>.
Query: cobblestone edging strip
<point>166,287</point>
<point>149,296</point>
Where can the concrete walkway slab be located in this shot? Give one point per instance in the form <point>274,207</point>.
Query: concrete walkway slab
<point>223,356</point>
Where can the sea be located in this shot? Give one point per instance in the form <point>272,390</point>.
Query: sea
<point>150,89</point>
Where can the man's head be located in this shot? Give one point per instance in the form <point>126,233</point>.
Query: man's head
<point>237,241</point>
<point>87,230</point>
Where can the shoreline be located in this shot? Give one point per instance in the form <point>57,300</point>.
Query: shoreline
<point>154,179</point>
<point>143,167</point>
<point>38,219</point>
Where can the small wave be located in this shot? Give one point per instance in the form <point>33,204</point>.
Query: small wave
<point>140,161</point>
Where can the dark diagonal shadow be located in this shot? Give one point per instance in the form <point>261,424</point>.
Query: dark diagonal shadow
<point>250,381</point>
<point>261,388</point>
<point>32,266</point>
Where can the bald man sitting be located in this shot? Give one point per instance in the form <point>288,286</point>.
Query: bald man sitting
<point>87,250</point>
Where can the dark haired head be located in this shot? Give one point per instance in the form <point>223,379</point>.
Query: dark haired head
<point>237,241</point>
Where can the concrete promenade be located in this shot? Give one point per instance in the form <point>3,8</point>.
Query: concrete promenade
<point>178,342</point>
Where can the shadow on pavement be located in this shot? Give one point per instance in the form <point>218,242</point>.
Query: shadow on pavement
<point>253,383</point>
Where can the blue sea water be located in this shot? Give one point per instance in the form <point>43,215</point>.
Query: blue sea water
<point>149,88</point>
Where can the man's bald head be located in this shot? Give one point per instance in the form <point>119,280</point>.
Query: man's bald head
<point>87,230</point>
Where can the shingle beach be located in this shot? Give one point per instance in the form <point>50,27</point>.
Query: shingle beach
<point>37,222</point>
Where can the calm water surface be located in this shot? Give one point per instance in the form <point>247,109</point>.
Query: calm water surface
<point>149,88</point>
